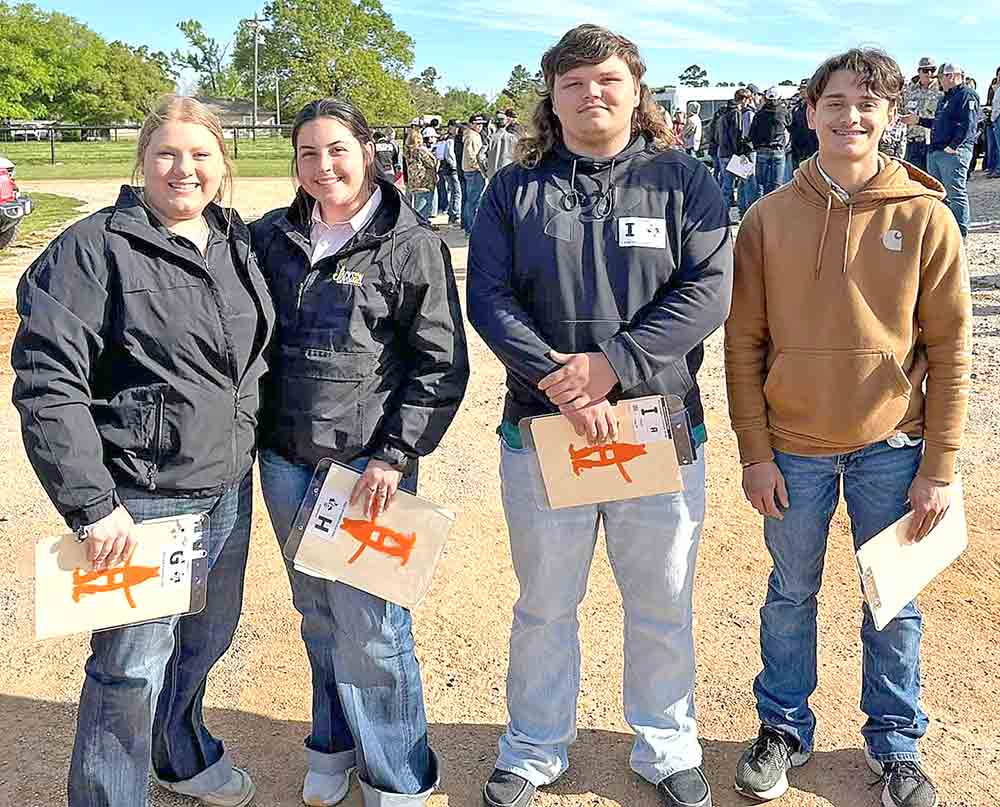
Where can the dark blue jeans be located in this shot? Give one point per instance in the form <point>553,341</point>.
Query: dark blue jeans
<point>162,664</point>
<point>770,171</point>
<point>916,154</point>
<point>876,482</point>
<point>365,676</point>
<point>475,184</point>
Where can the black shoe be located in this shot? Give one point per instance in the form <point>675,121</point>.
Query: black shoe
<point>906,784</point>
<point>505,789</point>
<point>685,789</point>
<point>762,770</point>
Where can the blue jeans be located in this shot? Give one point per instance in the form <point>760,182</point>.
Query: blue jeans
<point>475,183</point>
<point>365,676</point>
<point>450,191</point>
<point>423,202</point>
<point>747,190</point>
<point>652,545</point>
<point>142,698</point>
<point>876,480</point>
<point>441,191</point>
<point>994,143</point>
<point>916,154</point>
<point>770,171</point>
<point>990,161</point>
<point>952,171</point>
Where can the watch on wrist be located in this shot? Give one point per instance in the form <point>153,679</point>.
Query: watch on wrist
<point>395,458</point>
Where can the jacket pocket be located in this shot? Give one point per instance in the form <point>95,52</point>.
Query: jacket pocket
<point>135,430</point>
<point>836,397</point>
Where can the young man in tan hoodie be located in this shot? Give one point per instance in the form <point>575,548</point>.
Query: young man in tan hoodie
<point>847,358</point>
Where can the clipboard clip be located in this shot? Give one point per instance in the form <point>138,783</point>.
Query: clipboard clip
<point>871,590</point>
<point>680,429</point>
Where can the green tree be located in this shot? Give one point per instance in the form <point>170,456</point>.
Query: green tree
<point>521,92</point>
<point>345,48</point>
<point>424,93</point>
<point>461,102</point>
<point>694,76</point>
<point>787,83</point>
<point>54,67</point>
<point>206,56</point>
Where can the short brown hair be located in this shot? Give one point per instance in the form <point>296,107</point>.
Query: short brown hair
<point>589,45</point>
<point>878,73</point>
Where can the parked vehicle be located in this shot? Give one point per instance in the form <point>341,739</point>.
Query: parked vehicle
<point>14,205</point>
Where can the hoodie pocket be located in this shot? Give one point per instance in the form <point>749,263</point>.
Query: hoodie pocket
<point>837,398</point>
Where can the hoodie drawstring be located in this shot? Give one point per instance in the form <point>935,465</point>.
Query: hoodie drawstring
<point>826,226</point>
<point>847,235</point>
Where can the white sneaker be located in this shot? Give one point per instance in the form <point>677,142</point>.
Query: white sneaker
<point>325,789</point>
<point>237,792</point>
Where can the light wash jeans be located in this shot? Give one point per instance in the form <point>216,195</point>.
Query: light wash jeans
<point>952,171</point>
<point>876,480</point>
<point>423,203</point>
<point>141,701</point>
<point>652,545</point>
<point>365,676</point>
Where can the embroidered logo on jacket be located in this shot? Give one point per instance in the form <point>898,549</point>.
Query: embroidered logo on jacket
<point>893,241</point>
<point>350,278</point>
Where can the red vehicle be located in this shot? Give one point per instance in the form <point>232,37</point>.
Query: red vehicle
<point>14,205</point>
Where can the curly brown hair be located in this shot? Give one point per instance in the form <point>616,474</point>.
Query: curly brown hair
<point>589,45</point>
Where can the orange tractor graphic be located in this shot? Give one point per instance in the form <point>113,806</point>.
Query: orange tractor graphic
<point>119,578</point>
<point>604,456</point>
<point>381,539</point>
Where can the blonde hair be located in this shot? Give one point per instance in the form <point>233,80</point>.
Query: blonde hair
<point>413,139</point>
<point>589,45</point>
<point>183,109</point>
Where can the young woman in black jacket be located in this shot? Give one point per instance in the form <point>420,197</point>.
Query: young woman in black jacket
<point>138,361</point>
<point>368,368</point>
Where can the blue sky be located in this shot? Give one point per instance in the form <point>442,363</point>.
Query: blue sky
<point>477,42</point>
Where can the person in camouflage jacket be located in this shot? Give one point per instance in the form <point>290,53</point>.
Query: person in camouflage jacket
<point>921,99</point>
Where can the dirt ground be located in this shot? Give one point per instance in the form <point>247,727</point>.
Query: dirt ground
<point>258,696</point>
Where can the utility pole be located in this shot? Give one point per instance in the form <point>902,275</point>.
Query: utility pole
<point>256,23</point>
<point>277,102</point>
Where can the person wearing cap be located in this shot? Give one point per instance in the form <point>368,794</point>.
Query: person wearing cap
<point>954,129</point>
<point>768,135</point>
<point>500,151</point>
<point>473,170</point>
<point>429,134</point>
<point>847,358</point>
<point>921,99</point>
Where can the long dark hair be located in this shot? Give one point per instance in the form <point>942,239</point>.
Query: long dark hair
<point>589,45</point>
<point>344,112</point>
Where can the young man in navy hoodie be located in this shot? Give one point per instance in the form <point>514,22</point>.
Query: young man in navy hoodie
<point>599,263</point>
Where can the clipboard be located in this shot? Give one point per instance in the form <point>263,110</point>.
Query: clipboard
<point>166,575</point>
<point>654,441</point>
<point>894,571</point>
<point>741,165</point>
<point>393,558</point>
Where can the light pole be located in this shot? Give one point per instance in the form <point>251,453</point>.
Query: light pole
<point>256,23</point>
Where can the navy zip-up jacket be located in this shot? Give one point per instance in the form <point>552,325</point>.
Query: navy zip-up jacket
<point>369,351</point>
<point>630,256</point>
<point>955,121</point>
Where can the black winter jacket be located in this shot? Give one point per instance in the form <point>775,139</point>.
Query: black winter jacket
<point>728,132</point>
<point>768,127</point>
<point>802,139</point>
<point>370,348</point>
<point>126,369</point>
<point>551,268</point>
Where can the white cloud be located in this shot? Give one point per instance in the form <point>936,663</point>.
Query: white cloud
<point>969,19</point>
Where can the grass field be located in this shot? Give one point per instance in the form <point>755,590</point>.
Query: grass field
<point>50,209</point>
<point>267,157</point>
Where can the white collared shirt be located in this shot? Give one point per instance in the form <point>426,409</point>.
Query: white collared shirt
<point>839,191</point>
<point>327,239</point>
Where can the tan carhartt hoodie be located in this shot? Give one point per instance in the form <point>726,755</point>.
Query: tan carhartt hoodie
<point>842,311</point>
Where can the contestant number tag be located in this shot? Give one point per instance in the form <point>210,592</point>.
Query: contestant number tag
<point>635,231</point>
<point>649,421</point>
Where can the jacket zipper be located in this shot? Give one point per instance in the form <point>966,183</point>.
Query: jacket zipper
<point>154,468</point>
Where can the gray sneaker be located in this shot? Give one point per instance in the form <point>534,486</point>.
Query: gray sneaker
<point>905,784</point>
<point>761,772</point>
<point>237,792</point>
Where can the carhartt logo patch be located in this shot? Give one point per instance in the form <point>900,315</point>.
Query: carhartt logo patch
<point>893,241</point>
<point>350,278</point>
